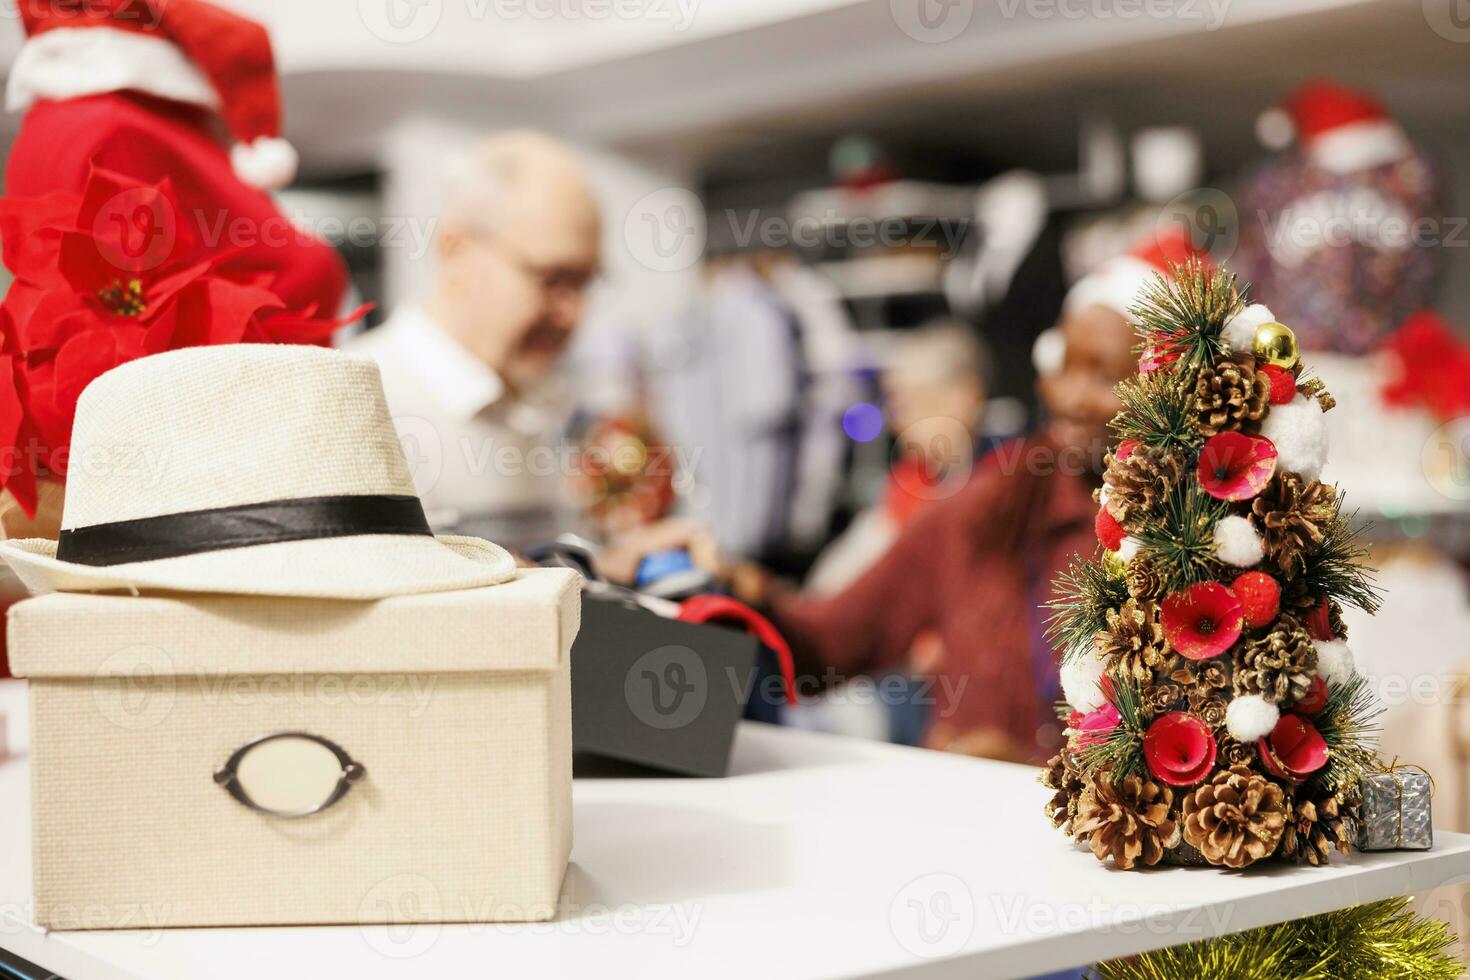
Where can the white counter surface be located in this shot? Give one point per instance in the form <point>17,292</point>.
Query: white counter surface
<point>818,857</point>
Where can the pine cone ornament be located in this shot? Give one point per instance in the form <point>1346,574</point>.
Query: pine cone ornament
<point>1230,394</point>
<point>1292,516</point>
<point>1208,708</point>
<point>1133,644</point>
<point>1209,677</point>
<point>1316,828</point>
<point>1128,820</point>
<point>1139,482</point>
<point>1236,818</point>
<point>1143,579</point>
<point>1233,753</point>
<point>1062,776</point>
<point>1161,697</point>
<point>1278,666</point>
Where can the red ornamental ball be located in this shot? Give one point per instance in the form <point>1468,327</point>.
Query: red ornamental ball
<point>1260,598</point>
<point>1283,384</point>
<point>1109,531</point>
<point>1180,748</point>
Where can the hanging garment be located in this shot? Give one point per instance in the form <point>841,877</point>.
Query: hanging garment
<point>1009,277</point>
<point>828,346</point>
<point>724,386</point>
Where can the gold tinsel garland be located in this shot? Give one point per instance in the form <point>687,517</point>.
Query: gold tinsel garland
<point>1366,942</point>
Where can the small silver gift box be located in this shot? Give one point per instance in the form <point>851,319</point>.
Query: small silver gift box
<point>1395,814</point>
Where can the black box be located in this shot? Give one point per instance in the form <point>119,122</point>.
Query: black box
<point>658,692</point>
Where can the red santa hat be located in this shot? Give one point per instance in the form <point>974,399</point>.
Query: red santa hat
<point>1342,130</point>
<point>186,50</point>
<point>1116,285</point>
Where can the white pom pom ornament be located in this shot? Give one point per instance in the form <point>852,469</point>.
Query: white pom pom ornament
<point>1299,433</point>
<point>1080,677</point>
<point>1129,548</point>
<point>1250,717</point>
<point>1240,330</point>
<point>1237,543</point>
<point>1335,663</point>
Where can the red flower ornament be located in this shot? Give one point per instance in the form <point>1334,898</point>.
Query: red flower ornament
<point>1236,466</point>
<point>1179,748</point>
<point>1319,621</point>
<point>1094,727</point>
<point>1156,358</point>
<point>1294,749</point>
<point>1314,700</point>
<point>1203,621</point>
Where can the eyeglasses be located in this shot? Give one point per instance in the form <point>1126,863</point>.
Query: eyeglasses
<point>557,282</point>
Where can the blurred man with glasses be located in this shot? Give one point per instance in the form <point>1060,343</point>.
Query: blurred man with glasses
<point>470,374</point>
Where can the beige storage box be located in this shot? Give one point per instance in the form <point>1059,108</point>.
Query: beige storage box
<point>209,761</point>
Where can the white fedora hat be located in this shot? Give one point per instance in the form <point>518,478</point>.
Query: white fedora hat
<point>255,469</point>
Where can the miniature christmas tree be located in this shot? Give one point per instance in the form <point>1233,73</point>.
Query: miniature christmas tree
<point>1214,712</point>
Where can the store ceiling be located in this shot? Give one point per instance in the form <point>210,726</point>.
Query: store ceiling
<point>750,89</point>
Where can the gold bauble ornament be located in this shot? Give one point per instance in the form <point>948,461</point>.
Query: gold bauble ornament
<point>1274,343</point>
<point>1114,564</point>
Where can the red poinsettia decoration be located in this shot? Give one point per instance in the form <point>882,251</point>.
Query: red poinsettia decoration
<point>1203,621</point>
<point>1294,749</point>
<point>101,278</point>
<point>1179,748</point>
<point>1236,466</point>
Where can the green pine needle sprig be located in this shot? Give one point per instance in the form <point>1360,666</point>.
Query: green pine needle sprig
<point>1185,312</point>
<point>1158,411</point>
<point>1349,725</point>
<point>1365,942</point>
<point>1120,753</point>
<point>1337,568</point>
<point>1181,539</point>
<point>1082,597</point>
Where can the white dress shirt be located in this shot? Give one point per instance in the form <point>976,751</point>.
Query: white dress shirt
<point>483,462</point>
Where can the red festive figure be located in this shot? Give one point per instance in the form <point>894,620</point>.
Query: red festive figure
<point>129,227</point>
<point>141,87</point>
